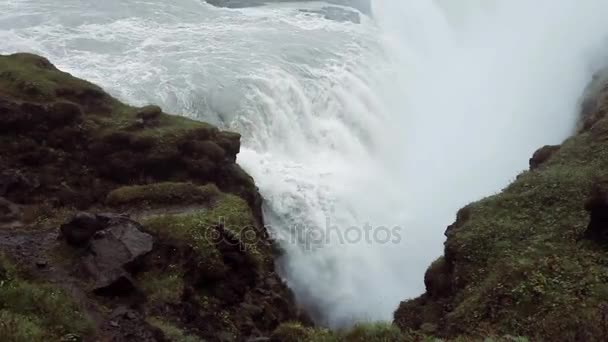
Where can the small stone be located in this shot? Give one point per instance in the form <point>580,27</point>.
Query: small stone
<point>114,324</point>
<point>41,263</point>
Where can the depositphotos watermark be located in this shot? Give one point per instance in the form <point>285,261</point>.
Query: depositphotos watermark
<point>307,236</point>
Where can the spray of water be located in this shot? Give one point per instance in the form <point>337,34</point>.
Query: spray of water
<point>363,139</point>
<point>469,90</point>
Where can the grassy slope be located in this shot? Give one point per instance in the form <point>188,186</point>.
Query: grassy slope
<point>31,311</point>
<point>516,263</point>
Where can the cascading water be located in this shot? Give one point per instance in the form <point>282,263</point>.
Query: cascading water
<point>381,129</point>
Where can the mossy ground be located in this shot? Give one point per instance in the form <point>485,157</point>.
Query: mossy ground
<point>163,287</point>
<point>31,311</point>
<point>199,229</point>
<point>162,194</point>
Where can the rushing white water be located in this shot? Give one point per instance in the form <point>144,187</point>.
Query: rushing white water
<point>395,123</point>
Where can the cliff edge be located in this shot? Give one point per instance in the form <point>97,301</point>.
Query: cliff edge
<point>124,223</point>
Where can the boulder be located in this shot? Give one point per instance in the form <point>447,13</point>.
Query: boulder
<point>114,251</point>
<point>115,245</point>
<point>81,228</point>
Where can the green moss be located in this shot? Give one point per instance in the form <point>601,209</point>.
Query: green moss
<point>29,76</point>
<point>26,76</point>
<point>162,286</point>
<point>198,229</point>
<point>166,193</point>
<point>33,311</point>
<point>172,332</point>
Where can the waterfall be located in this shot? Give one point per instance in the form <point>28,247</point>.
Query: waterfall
<point>364,139</point>
<point>450,111</point>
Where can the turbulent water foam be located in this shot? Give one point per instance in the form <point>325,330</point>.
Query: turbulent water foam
<point>384,128</point>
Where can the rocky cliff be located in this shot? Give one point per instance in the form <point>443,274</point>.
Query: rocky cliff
<point>529,261</point>
<point>123,223</point>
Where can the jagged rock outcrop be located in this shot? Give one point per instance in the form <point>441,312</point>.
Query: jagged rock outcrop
<point>542,155</point>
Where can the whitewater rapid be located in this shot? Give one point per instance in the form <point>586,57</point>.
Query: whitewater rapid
<point>382,128</point>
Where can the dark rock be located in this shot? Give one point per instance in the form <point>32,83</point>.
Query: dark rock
<point>42,263</point>
<point>542,155</point>
<point>81,228</point>
<point>113,253</point>
<point>115,243</point>
<point>597,206</point>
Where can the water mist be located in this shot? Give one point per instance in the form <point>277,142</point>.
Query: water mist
<point>463,94</point>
